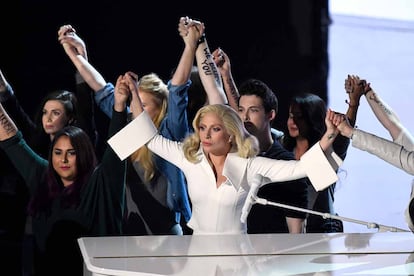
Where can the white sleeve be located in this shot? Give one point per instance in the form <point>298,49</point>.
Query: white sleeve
<point>391,152</point>
<point>321,169</point>
<point>133,136</point>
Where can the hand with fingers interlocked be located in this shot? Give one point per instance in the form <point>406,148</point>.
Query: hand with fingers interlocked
<point>355,88</point>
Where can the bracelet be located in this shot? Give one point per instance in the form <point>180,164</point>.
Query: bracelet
<point>353,132</point>
<point>365,92</point>
<point>351,105</point>
<point>201,39</point>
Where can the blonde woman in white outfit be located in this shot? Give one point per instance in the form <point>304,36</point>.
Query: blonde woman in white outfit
<point>219,161</point>
<point>399,152</point>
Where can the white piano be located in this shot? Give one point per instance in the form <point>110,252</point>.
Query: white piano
<point>381,253</point>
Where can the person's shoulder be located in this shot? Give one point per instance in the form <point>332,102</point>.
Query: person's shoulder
<point>278,151</point>
<point>277,134</point>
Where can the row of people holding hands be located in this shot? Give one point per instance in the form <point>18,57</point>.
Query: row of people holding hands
<point>153,172</point>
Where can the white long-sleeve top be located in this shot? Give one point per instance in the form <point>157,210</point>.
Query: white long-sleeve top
<point>218,209</point>
<point>399,153</point>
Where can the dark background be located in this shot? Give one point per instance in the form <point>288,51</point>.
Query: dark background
<point>283,43</point>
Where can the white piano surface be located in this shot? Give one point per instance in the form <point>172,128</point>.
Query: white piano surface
<point>382,253</point>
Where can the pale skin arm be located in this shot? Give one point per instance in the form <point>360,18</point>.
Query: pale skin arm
<point>331,121</point>
<point>387,117</point>
<point>131,80</point>
<point>344,126</point>
<point>183,71</point>
<point>121,93</point>
<point>75,48</point>
<point>207,69</point>
<point>223,64</point>
<point>209,75</point>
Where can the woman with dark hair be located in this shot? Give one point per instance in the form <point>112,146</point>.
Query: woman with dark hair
<point>57,109</point>
<point>71,196</point>
<point>156,192</point>
<point>85,162</point>
<point>306,125</point>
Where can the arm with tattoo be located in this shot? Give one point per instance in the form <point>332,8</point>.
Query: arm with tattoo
<point>7,127</point>
<point>387,117</point>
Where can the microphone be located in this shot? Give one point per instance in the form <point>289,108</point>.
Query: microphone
<point>251,197</point>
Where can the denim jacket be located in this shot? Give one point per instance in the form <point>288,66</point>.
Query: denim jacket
<point>175,127</point>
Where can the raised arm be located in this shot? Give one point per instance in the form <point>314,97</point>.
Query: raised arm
<point>29,164</point>
<point>183,71</point>
<point>207,69</point>
<point>7,127</point>
<point>332,131</point>
<point>136,104</point>
<point>354,87</point>
<point>14,109</point>
<point>122,91</point>
<point>175,125</point>
<point>223,64</point>
<point>75,48</point>
<point>384,113</point>
<point>389,151</point>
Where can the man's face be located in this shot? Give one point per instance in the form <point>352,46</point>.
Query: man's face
<point>253,114</point>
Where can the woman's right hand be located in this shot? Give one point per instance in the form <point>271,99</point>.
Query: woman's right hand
<point>121,94</point>
<point>354,87</point>
<point>131,79</point>
<point>342,124</point>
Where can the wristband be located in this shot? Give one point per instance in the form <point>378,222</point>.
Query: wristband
<point>201,39</point>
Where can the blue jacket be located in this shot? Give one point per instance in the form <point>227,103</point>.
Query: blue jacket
<point>175,127</point>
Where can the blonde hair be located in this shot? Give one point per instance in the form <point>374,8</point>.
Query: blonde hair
<point>153,85</point>
<point>245,144</point>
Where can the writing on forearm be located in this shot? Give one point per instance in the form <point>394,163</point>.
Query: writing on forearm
<point>207,53</point>
<point>374,98</point>
<point>6,124</point>
<point>233,91</point>
<point>209,69</point>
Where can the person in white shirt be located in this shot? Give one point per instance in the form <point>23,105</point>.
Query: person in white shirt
<point>399,152</point>
<point>220,159</point>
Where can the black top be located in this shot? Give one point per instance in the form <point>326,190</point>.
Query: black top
<point>99,212</point>
<point>271,219</point>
